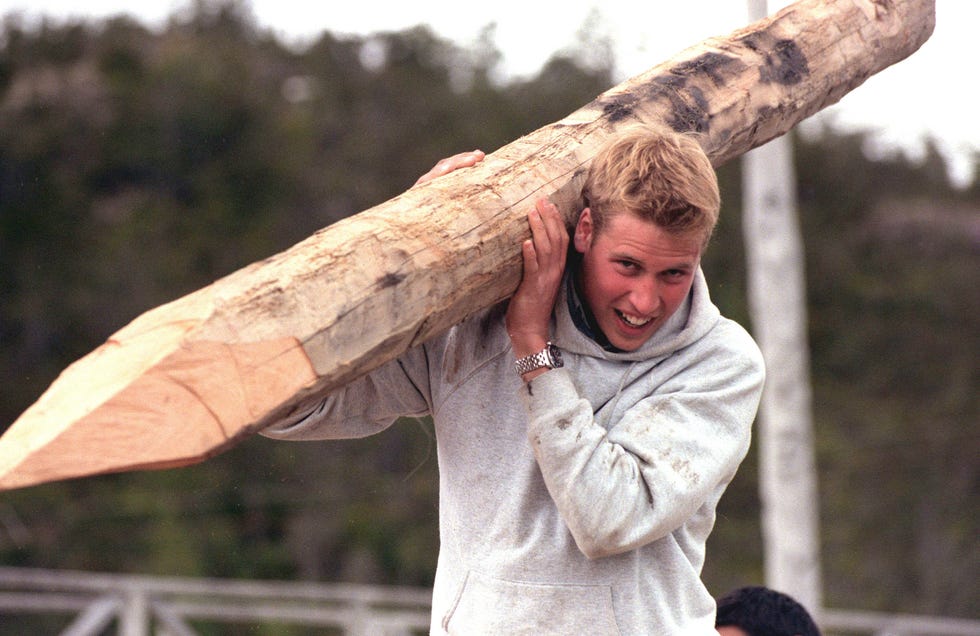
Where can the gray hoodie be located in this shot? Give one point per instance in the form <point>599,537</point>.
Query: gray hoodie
<point>581,501</point>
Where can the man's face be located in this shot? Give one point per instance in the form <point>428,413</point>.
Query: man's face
<point>634,275</point>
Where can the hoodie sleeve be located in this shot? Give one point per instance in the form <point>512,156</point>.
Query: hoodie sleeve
<point>364,407</point>
<point>671,453</point>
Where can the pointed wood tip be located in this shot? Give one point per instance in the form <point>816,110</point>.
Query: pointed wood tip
<point>191,405</point>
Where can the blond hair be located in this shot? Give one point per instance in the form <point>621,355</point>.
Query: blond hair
<point>658,175</point>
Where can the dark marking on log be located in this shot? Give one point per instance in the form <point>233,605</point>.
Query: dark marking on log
<point>686,108</point>
<point>764,114</point>
<point>787,65</point>
<point>390,280</point>
<point>686,100</point>
<point>784,62</point>
<point>670,82</point>
<point>712,64</point>
<point>617,109</point>
<point>690,114</point>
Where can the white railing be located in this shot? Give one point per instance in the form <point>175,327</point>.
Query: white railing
<point>143,605</point>
<point>880,624</point>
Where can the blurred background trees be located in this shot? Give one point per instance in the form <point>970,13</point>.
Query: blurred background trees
<point>137,166</point>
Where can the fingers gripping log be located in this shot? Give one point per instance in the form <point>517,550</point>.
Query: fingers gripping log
<point>186,380</point>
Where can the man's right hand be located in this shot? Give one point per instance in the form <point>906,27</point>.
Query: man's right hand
<point>528,317</point>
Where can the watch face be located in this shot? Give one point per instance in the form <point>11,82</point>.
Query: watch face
<point>555,354</point>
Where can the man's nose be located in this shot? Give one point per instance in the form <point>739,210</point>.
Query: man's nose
<point>646,296</point>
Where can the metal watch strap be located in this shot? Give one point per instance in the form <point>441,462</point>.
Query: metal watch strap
<point>549,357</point>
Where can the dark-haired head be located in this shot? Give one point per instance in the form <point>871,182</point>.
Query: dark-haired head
<point>760,611</point>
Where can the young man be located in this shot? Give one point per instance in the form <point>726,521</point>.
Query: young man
<point>587,428</point>
<point>760,611</point>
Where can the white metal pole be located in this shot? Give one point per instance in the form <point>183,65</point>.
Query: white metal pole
<point>777,304</point>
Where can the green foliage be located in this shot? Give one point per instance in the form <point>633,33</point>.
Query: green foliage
<point>136,166</point>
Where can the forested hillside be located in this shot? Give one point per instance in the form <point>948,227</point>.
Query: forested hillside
<point>137,166</point>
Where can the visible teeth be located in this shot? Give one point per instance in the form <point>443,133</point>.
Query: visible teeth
<point>634,321</point>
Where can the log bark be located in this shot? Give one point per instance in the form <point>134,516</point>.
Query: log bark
<point>188,379</point>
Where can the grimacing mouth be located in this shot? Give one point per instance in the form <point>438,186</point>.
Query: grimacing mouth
<point>633,321</point>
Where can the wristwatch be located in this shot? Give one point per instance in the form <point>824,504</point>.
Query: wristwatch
<point>549,357</point>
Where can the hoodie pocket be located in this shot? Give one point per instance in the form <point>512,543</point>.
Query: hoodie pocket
<point>494,607</point>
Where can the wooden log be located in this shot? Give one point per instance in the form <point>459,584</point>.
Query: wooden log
<point>186,380</point>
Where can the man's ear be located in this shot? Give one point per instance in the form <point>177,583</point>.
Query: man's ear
<point>583,231</point>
